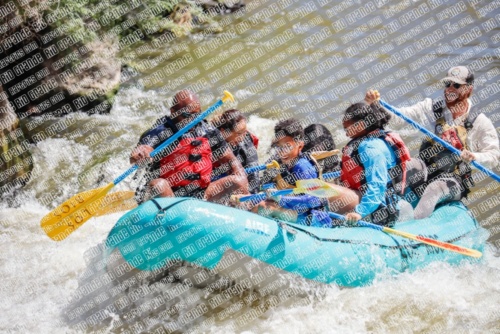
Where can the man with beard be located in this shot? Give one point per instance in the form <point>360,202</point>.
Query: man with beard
<point>455,120</point>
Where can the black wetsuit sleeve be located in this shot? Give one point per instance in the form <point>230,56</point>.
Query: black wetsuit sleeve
<point>155,136</point>
<point>217,141</point>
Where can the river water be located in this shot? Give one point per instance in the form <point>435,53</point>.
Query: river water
<point>280,59</point>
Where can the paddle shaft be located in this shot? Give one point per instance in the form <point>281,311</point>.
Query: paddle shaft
<point>425,240</point>
<point>70,215</point>
<point>263,196</point>
<point>251,170</point>
<point>439,140</point>
<point>303,187</point>
<point>331,175</point>
<point>256,168</point>
<point>170,140</point>
<point>117,200</point>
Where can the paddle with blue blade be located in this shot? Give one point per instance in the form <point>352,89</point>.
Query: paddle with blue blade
<point>70,215</point>
<point>436,243</point>
<point>437,139</point>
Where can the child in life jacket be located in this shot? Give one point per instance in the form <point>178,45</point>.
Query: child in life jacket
<point>373,173</point>
<point>233,126</point>
<point>294,166</point>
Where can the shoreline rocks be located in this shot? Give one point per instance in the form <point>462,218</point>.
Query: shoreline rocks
<point>59,57</point>
<point>16,161</point>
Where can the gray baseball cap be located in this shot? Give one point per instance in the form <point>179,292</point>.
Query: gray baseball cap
<point>460,74</point>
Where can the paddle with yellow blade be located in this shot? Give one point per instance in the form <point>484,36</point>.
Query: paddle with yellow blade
<point>320,155</point>
<point>436,243</point>
<point>272,164</point>
<point>116,202</point>
<point>124,200</point>
<point>67,217</point>
<point>313,187</point>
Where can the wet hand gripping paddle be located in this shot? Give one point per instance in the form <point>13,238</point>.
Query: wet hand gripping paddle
<point>274,164</point>
<point>69,216</point>
<point>432,242</point>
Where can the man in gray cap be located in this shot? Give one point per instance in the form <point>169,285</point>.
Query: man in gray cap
<point>455,120</point>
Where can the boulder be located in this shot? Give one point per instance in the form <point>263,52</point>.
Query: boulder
<point>16,162</point>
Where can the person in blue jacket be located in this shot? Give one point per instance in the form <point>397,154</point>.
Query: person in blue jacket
<point>294,165</point>
<point>373,166</point>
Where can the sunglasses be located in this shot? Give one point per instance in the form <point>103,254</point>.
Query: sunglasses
<point>455,85</point>
<point>183,113</point>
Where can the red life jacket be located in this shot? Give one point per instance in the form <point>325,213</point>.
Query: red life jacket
<point>189,163</point>
<point>440,161</point>
<point>451,136</point>
<point>255,140</point>
<point>353,175</point>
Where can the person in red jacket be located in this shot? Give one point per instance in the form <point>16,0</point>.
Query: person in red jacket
<point>185,167</point>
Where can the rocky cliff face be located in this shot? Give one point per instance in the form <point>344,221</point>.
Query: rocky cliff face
<point>62,56</point>
<point>16,162</point>
<point>58,57</point>
<point>45,69</point>
<point>50,66</point>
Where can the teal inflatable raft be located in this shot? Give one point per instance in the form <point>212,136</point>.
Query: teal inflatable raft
<point>200,232</point>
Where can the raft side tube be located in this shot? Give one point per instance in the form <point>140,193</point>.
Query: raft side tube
<point>201,232</point>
